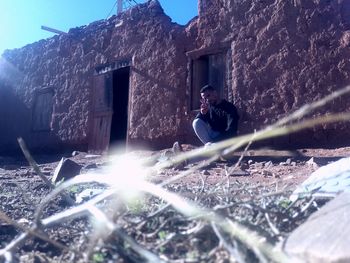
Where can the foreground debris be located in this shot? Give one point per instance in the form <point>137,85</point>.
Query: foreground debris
<point>149,224</point>
<point>325,236</point>
<point>329,179</point>
<point>65,170</point>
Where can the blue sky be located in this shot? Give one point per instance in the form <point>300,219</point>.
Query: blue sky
<point>20,20</point>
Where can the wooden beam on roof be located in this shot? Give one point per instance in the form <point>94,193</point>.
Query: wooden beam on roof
<point>56,31</point>
<point>119,6</point>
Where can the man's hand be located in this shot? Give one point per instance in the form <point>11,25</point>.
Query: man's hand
<point>204,107</point>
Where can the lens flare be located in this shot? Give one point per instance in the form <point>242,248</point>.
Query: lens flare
<point>9,73</point>
<point>126,173</point>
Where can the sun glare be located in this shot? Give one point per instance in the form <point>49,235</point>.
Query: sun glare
<point>126,173</point>
<point>126,167</point>
<point>7,24</point>
<point>8,72</point>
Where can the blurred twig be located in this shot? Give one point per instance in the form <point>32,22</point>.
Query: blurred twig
<point>36,168</point>
<point>33,163</point>
<point>225,228</point>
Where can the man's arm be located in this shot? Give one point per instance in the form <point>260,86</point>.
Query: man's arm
<point>232,120</point>
<point>204,111</point>
<point>232,123</point>
<point>204,117</point>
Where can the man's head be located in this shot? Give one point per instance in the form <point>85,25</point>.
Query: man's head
<point>209,94</point>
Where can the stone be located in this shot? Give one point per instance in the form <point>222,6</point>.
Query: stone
<point>87,194</point>
<point>177,148</point>
<point>92,156</point>
<point>268,164</point>
<point>65,170</point>
<point>168,155</point>
<point>239,172</point>
<point>266,173</point>
<point>91,166</point>
<point>312,163</point>
<point>244,166</point>
<point>330,179</point>
<point>205,172</point>
<point>46,169</point>
<point>277,176</point>
<point>23,221</point>
<point>325,236</point>
<point>11,167</point>
<point>259,165</point>
<point>75,153</point>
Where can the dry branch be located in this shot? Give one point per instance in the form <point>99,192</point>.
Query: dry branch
<point>233,235</point>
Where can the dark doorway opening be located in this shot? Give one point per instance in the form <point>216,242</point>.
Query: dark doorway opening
<point>119,124</point>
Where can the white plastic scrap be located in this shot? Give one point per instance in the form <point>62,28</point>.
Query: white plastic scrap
<point>329,179</point>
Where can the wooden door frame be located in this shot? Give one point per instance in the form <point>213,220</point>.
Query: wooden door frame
<point>104,70</point>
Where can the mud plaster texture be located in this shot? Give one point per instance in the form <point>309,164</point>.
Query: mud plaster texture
<point>283,54</point>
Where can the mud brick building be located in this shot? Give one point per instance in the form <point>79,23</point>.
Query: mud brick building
<point>135,77</point>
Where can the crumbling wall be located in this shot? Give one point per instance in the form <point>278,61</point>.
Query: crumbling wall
<point>66,63</point>
<point>285,54</point>
<point>158,94</point>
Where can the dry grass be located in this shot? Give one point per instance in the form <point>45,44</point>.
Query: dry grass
<point>136,220</point>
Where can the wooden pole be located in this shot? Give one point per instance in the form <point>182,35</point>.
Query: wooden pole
<point>53,30</point>
<point>119,6</point>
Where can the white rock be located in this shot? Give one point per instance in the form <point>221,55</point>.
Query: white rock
<point>312,163</point>
<point>331,179</point>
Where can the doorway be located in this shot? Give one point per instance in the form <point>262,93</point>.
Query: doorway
<point>119,125</point>
<point>208,69</point>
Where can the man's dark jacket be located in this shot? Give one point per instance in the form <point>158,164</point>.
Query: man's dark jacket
<point>223,118</point>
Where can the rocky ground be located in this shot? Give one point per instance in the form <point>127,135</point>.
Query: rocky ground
<point>253,194</point>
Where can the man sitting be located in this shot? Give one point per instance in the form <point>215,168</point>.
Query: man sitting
<point>217,119</point>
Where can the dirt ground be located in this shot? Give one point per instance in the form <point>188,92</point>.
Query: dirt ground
<point>21,191</point>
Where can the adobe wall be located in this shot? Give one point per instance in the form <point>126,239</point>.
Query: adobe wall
<point>285,53</point>
<point>67,62</point>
